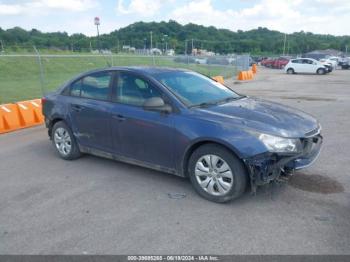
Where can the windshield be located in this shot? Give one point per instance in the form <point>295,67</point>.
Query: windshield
<point>195,89</point>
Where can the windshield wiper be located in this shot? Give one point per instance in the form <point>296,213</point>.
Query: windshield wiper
<point>204,104</point>
<point>222,101</point>
<point>229,99</point>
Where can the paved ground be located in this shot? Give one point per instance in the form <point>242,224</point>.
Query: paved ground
<point>93,205</point>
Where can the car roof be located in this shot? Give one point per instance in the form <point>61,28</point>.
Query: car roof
<point>147,70</point>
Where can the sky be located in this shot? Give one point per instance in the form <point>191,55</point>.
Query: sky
<point>76,16</point>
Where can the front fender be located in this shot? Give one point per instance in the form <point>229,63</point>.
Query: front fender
<point>242,143</point>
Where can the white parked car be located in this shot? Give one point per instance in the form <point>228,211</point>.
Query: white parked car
<point>200,61</point>
<point>305,65</point>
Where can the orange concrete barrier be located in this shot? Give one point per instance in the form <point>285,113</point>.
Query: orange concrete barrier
<point>240,76</point>
<point>20,115</point>
<point>29,113</point>
<point>254,68</point>
<point>219,79</point>
<point>245,75</point>
<point>9,118</point>
<point>250,74</point>
<point>37,106</point>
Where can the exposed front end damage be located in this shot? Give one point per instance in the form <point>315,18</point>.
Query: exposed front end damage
<point>269,167</point>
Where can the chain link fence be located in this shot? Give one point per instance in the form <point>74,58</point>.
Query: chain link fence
<point>30,75</point>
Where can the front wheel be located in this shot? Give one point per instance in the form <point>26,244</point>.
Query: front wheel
<point>321,71</point>
<point>217,174</point>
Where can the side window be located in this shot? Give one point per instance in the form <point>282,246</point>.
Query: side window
<point>75,88</point>
<point>94,86</point>
<point>307,61</point>
<point>133,90</point>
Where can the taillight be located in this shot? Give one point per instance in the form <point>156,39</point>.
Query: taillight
<point>43,100</point>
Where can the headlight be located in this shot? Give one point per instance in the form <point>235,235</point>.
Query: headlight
<point>280,144</point>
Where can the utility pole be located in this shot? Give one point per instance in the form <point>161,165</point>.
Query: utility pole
<point>192,47</point>
<point>97,23</point>
<point>166,43</point>
<point>2,46</point>
<point>284,44</point>
<point>151,41</point>
<point>185,47</point>
<point>346,49</point>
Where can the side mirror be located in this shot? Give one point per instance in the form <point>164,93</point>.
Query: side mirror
<point>156,104</point>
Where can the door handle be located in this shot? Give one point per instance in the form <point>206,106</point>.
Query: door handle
<point>119,117</point>
<point>77,108</point>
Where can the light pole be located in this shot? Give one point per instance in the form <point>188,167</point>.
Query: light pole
<point>284,44</point>
<point>97,23</point>
<point>2,46</point>
<point>144,45</point>
<point>166,43</point>
<point>151,47</point>
<point>192,47</point>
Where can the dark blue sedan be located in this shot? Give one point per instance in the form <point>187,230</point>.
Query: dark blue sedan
<point>182,123</point>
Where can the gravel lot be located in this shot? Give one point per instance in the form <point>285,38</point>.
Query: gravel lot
<point>98,206</point>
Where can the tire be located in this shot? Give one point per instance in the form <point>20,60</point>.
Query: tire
<point>64,141</point>
<point>218,185</point>
<point>290,71</point>
<point>321,71</point>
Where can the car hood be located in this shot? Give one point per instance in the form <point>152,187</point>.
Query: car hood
<point>262,116</point>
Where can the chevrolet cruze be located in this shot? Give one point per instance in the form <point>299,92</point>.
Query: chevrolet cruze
<point>181,122</point>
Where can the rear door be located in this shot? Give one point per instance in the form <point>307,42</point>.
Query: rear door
<point>297,66</point>
<point>90,110</point>
<point>145,136</point>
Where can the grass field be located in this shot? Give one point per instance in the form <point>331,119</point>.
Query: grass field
<point>20,75</point>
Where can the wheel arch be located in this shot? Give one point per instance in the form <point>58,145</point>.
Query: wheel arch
<point>195,145</point>
<point>321,68</point>
<point>52,122</point>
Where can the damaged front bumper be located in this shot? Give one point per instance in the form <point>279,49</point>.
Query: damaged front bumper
<point>269,166</point>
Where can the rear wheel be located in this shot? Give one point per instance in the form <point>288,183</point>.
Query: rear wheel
<point>321,71</point>
<point>290,71</point>
<point>217,174</point>
<point>64,141</point>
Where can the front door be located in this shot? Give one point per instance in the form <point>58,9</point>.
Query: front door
<point>145,136</point>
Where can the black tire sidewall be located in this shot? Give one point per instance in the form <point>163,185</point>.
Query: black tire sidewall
<point>240,176</point>
<point>321,71</point>
<point>75,152</point>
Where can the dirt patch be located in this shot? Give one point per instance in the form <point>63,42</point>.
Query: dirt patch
<point>308,98</point>
<point>315,183</point>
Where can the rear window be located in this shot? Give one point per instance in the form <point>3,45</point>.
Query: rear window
<point>95,86</point>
